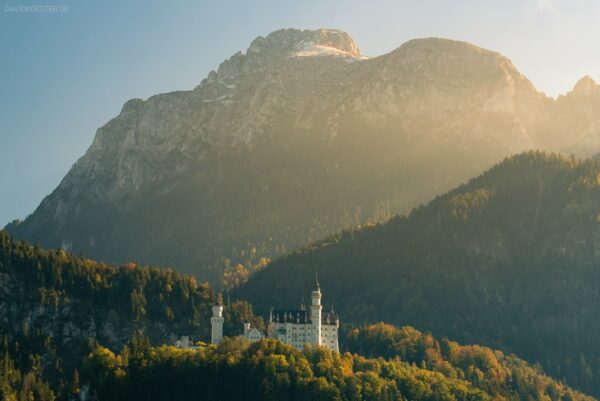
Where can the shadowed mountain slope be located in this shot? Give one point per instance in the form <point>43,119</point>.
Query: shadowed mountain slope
<point>510,260</point>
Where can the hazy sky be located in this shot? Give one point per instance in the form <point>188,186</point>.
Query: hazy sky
<point>67,69</point>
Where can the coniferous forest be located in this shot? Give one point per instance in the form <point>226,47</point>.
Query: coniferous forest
<point>67,333</point>
<point>55,306</point>
<point>508,260</point>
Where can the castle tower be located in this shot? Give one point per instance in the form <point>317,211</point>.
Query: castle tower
<point>216,322</point>
<point>315,313</point>
<point>246,329</point>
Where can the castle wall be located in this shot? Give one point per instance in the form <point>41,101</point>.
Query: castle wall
<point>329,336</point>
<point>298,335</point>
<point>299,327</point>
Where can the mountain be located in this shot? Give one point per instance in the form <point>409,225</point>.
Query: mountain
<point>416,367</point>
<point>296,138</point>
<point>509,260</point>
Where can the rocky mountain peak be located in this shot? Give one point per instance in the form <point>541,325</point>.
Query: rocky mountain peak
<point>284,43</point>
<point>453,61</point>
<point>439,46</point>
<point>585,86</point>
<point>421,118</point>
<point>439,52</point>
<point>436,65</point>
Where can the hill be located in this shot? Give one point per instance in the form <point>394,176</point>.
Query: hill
<point>417,367</point>
<point>55,305</point>
<point>61,317</point>
<point>295,139</point>
<point>508,260</point>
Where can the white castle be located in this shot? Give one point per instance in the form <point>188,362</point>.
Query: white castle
<point>296,327</point>
<point>216,322</point>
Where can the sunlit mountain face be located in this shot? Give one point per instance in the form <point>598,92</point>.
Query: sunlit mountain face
<point>296,138</point>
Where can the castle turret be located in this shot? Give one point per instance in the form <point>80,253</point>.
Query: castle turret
<point>315,312</point>
<point>246,329</point>
<point>216,322</point>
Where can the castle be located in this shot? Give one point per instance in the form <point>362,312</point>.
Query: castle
<point>296,327</point>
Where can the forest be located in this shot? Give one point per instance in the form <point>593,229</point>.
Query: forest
<point>72,327</point>
<point>403,365</point>
<point>54,306</point>
<point>508,260</point>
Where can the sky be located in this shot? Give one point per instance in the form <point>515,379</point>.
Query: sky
<point>67,66</point>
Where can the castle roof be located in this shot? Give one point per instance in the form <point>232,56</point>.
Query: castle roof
<point>328,317</point>
<point>290,316</point>
<point>299,316</point>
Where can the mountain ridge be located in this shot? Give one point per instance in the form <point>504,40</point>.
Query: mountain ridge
<point>273,150</point>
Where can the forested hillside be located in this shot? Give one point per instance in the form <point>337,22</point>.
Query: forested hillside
<point>509,260</point>
<point>64,317</point>
<point>403,365</point>
<point>21,372</point>
<point>53,305</point>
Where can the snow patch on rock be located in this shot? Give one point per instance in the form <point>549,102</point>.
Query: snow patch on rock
<point>312,49</point>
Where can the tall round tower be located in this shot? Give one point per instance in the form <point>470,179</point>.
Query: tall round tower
<point>216,322</point>
<point>315,312</point>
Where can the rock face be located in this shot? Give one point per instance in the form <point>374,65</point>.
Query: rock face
<point>62,322</point>
<point>298,137</point>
